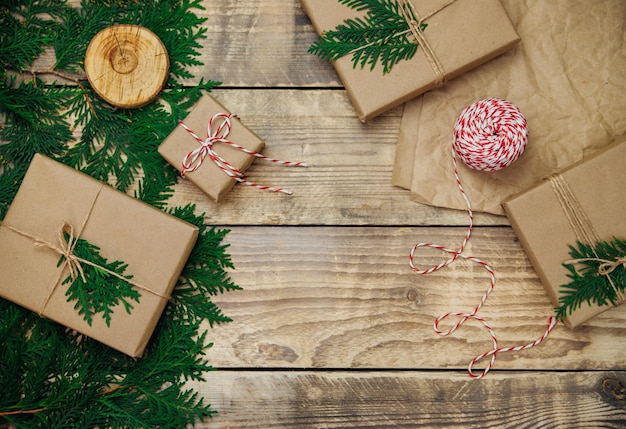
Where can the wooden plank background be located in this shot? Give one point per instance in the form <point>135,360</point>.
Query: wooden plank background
<point>332,329</point>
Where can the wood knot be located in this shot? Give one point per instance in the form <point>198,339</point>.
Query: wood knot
<point>613,389</point>
<point>413,295</point>
<point>277,352</point>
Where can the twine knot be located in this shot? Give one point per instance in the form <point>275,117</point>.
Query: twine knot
<point>66,250</point>
<point>194,159</point>
<point>490,134</point>
<point>607,267</point>
<point>415,22</point>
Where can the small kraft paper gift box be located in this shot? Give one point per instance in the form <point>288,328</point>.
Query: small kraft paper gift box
<point>179,146</point>
<point>456,36</point>
<point>55,207</point>
<point>584,203</point>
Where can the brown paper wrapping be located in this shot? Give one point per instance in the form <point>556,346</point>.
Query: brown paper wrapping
<point>542,225</point>
<point>462,36</point>
<point>567,77</point>
<point>209,177</point>
<point>155,246</point>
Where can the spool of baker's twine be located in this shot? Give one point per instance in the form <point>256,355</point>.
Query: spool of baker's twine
<point>489,135</point>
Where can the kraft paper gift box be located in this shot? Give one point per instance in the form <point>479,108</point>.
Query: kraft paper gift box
<point>462,35</point>
<point>154,244</point>
<point>584,200</point>
<point>208,176</point>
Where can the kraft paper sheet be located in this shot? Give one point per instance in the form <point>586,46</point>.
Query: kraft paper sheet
<point>568,77</point>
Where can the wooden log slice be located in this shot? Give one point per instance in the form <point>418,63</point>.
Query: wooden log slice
<point>127,65</point>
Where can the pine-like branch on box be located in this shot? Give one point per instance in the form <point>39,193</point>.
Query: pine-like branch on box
<point>382,35</point>
<point>99,285</point>
<point>597,273</point>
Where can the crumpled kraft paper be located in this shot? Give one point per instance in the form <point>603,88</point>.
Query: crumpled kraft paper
<point>568,77</point>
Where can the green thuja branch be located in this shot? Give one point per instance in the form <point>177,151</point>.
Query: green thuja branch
<point>52,377</point>
<point>100,287</point>
<point>597,273</point>
<point>382,35</point>
<point>115,145</point>
<point>204,275</point>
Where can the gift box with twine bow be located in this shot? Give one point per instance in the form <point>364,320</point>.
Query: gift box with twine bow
<point>55,207</point>
<point>582,204</point>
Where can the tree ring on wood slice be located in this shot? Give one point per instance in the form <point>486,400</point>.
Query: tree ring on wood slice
<point>127,65</point>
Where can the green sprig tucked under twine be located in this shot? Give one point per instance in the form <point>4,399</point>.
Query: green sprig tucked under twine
<point>598,276</point>
<point>382,35</point>
<point>97,286</point>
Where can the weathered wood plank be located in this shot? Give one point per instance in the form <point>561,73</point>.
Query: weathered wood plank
<point>262,43</point>
<point>348,181</point>
<point>339,399</point>
<point>325,297</point>
<point>256,43</point>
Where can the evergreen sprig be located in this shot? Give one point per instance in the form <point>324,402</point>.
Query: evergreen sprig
<point>588,283</point>
<point>52,377</point>
<point>95,289</point>
<point>382,35</point>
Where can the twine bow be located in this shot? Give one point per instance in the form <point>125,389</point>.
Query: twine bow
<point>194,159</point>
<point>605,268</point>
<point>66,249</point>
<point>414,21</point>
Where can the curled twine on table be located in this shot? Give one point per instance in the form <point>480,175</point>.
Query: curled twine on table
<point>194,159</point>
<point>488,135</point>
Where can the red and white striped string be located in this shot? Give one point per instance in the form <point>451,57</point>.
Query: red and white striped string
<point>194,159</point>
<point>488,135</point>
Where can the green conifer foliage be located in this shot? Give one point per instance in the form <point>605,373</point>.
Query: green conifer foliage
<point>382,36</point>
<point>597,273</point>
<point>52,377</point>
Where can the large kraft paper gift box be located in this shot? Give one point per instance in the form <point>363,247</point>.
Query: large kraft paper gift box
<point>154,244</point>
<point>462,35</point>
<point>583,201</point>
<point>209,177</point>
<point>567,76</point>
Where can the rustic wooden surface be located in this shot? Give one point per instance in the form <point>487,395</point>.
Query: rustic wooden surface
<point>332,329</point>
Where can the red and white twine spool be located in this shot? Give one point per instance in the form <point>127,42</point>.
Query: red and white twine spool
<point>194,159</point>
<point>488,135</point>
